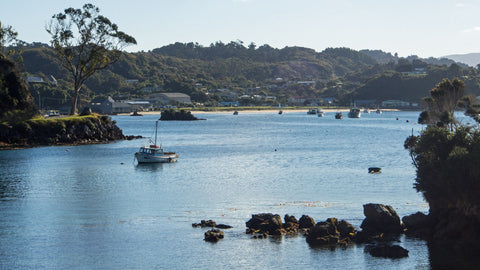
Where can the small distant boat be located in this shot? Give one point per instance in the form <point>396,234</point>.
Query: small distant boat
<point>378,111</point>
<point>374,170</point>
<point>280,112</point>
<point>366,111</point>
<point>320,113</point>
<point>312,111</point>
<point>354,113</point>
<point>154,153</point>
<point>338,115</point>
<point>235,113</point>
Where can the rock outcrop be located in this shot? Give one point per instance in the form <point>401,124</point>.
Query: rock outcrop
<point>214,235</point>
<point>71,130</point>
<point>379,219</point>
<point>331,233</point>
<point>182,115</point>
<point>417,225</point>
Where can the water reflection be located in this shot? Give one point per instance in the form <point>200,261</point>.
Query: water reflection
<point>12,187</point>
<point>149,167</point>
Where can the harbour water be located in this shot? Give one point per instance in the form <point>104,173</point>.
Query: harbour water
<point>92,207</point>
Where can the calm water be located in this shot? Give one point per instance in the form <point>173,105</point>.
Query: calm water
<point>91,207</point>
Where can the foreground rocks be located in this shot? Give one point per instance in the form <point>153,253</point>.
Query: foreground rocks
<point>331,232</point>
<point>380,228</point>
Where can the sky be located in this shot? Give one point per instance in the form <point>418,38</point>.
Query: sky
<point>427,28</point>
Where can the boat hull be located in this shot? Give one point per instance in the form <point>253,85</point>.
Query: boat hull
<point>146,158</point>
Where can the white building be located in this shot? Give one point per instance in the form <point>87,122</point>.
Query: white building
<point>395,103</point>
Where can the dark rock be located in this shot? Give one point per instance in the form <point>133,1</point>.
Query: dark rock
<point>133,137</point>
<point>417,225</point>
<point>306,222</point>
<point>213,235</point>
<point>291,219</point>
<point>205,223</point>
<point>182,115</point>
<point>387,251</point>
<point>380,218</point>
<point>265,223</point>
<point>346,229</point>
<point>363,237</point>
<point>327,234</point>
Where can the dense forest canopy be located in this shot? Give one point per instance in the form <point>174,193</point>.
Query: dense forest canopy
<point>291,72</point>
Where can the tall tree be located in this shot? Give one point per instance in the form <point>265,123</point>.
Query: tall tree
<point>444,99</point>
<point>8,37</point>
<point>85,42</point>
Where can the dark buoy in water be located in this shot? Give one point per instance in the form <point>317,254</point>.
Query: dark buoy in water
<point>373,170</point>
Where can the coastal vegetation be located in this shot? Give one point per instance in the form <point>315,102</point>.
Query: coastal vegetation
<point>446,155</point>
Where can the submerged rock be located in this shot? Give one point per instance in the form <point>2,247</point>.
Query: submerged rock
<point>387,251</point>
<point>205,223</point>
<point>214,235</point>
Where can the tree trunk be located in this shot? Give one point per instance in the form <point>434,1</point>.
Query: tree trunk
<point>73,111</point>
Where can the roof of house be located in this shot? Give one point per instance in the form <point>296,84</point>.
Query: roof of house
<point>176,95</point>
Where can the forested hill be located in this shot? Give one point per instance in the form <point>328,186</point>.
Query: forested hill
<point>198,70</point>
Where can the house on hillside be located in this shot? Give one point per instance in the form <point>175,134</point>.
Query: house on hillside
<point>109,106</point>
<point>34,79</point>
<point>395,104</point>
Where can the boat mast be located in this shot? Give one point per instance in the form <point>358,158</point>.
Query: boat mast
<point>156,127</point>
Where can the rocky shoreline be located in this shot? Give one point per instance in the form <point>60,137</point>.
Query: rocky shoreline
<point>90,129</point>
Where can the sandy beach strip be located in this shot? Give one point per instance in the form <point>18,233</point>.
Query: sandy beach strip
<point>267,111</point>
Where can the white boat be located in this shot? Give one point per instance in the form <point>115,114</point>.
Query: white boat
<point>354,113</point>
<point>312,111</point>
<point>153,153</point>
<point>320,113</point>
<point>379,111</point>
<point>366,110</point>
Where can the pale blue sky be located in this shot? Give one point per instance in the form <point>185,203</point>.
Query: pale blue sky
<point>421,27</point>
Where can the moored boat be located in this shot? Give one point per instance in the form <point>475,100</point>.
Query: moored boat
<point>154,153</point>
<point>312,111</point>
<point>320,113</point>
<point>338,115</point>
<point>354,113</point>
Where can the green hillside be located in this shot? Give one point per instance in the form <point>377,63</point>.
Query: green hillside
<point>197,70</point>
